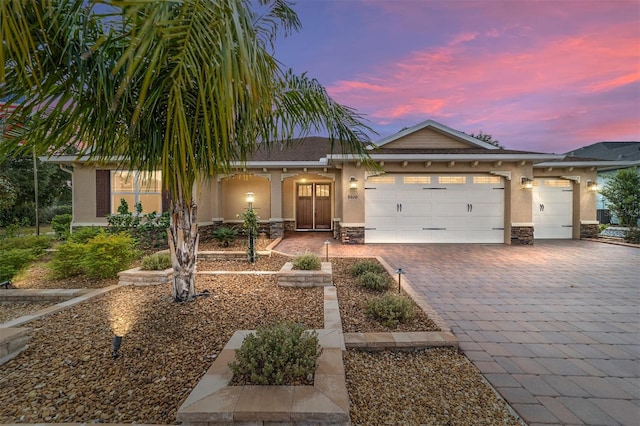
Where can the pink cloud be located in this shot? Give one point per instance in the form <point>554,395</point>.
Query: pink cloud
<point>504,77</point>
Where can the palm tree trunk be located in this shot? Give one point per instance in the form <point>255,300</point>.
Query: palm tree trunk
<point>183,243</point>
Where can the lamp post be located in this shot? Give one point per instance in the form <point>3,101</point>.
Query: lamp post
<point>252,226</point>
<point>400,273</point>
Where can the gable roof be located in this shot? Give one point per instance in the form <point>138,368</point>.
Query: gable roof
<point>463,138</point>
<point>617,151</point>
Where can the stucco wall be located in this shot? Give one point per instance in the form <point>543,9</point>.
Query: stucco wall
<point>84,197</point>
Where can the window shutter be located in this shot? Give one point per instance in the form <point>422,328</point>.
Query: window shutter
<point>103,193</point>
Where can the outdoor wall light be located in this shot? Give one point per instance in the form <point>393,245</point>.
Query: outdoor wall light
<point>526,182</point>
<point>250,199</point>
<point>592,186</point>
<point>353,182</point>
<point>117,341</point>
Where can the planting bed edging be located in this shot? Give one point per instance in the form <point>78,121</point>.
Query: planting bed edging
<point>139,277</point>
<point>289,277</point>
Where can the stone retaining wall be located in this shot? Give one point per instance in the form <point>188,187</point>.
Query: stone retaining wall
<point>522,235</point>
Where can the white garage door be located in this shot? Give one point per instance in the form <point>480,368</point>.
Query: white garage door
<point>434,209</point>
<point>552,208</point>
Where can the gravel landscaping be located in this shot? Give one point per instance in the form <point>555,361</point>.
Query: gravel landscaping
<point>68,375</point>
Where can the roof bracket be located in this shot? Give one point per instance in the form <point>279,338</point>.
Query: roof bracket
<point>504,173</point>
<point>576,179</point>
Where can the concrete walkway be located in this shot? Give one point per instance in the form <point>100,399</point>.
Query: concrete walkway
<point>554,327</point>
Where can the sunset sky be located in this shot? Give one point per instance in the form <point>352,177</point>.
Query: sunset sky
<point>547,76</point>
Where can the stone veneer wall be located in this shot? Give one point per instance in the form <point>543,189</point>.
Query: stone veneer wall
<point>336,229</point>
<point>588,230</point>
<point>289,225</point>
<point>350,235</point>
<point>522,235</point>
<point>276,230</point>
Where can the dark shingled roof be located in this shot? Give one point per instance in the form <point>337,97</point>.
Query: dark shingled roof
<point>620,151</point>
<point>312,148</point>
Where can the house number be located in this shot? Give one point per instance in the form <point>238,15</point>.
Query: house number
<point>352,197</point>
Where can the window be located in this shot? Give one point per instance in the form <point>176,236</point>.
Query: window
<point>136,187</point>
<point>557,183</point>
<point>382,179</point>
<point>416,180</point>
<point>487,179</point>
<point>452,179</point>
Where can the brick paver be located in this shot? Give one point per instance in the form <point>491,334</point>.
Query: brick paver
<point>555,327</point>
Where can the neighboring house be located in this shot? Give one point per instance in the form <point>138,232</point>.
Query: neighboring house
<point>625,154</point>
<point>439,185</point>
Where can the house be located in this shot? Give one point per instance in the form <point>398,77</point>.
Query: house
<point>435,185</point>
<point>624,154</point>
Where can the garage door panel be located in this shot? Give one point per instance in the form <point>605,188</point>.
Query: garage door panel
<point>552,209</point>
<point>434,208</point>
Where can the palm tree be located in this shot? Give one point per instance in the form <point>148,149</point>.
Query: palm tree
<point>189,87</point>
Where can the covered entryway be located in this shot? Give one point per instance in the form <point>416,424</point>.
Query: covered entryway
<point>446,208</point>
<point>313,206</point>
<point>552,209</point>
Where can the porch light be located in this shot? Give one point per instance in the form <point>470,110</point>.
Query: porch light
<point>592,186</point>
<point>250,199</point>
<point>353,182</point>
<point>526,182</point>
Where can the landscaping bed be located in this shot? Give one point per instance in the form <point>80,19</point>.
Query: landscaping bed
<point>68,375</point>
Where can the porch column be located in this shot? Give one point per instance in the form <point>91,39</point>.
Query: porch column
<point>276,222</point>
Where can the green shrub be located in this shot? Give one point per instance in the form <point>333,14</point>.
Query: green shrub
<point>390,309</point>
<point>108,254</point>
<point>225,236</point>
<point>150,230</point>
<point>280,354</point>
<point>632,236</point>
<point>36,243</point>
<point>156,262</point>
<point>13,261</point>
<point>602,227</point>
<point>363,266</point>
<point>68,260</point>
<point>374,281</point>
<point>307,262</point>
<point>84,234</point>
<point>61,224</point>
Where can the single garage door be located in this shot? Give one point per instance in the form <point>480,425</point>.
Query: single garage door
<point>434,209</point>
<point>552,209</point>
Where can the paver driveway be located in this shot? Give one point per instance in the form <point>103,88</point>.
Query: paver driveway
<point>554,327</point>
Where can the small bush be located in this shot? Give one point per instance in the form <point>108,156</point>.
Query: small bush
<point>84,234</point>
<point>632,236</point>
<point>156,262</point>
<point>280,354</point>
<point>61,225</point>
<point>602,227</point>
<point>36,243</point>
<point>13,261</point>
<point>108,254</point>
<point>67,260</point>
<point>374,281</point>
<point>307,262</point>
<point>225,236</point>
<point>366,266</point>
<point>390,309</point>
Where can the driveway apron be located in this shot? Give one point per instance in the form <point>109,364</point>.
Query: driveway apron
<point>554,327</point>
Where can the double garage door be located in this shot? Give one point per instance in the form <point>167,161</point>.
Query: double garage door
<point>462,208</point>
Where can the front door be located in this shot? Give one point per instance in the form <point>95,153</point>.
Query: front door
<point>313,206</point>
